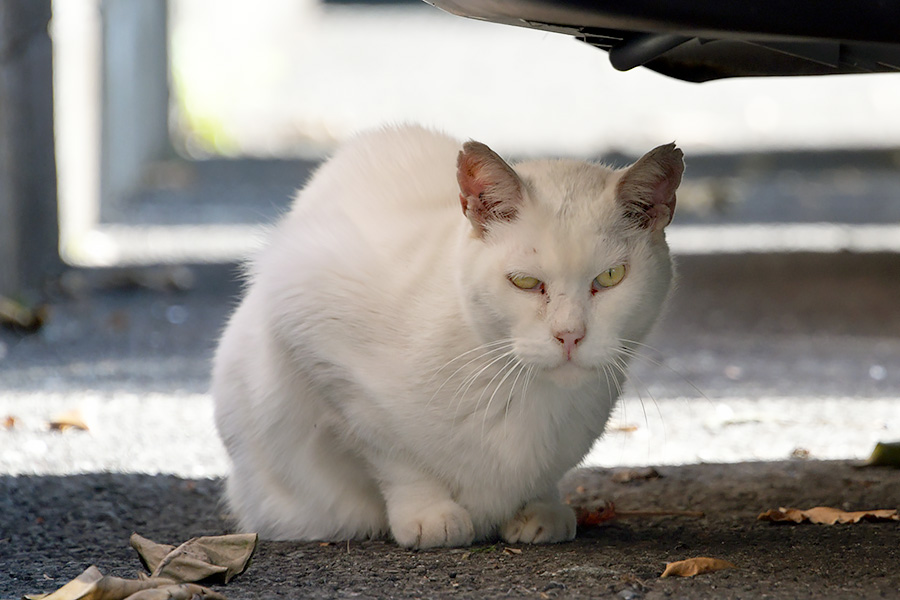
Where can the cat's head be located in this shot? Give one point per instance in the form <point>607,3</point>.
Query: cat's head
<point>565,258</point>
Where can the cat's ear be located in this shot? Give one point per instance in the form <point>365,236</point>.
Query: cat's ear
<point>489,189</point>
<point>647,189</point>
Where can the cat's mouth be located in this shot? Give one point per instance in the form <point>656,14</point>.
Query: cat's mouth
<point>569,374</point>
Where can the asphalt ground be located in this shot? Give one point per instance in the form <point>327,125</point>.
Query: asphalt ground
<point>759,359</point>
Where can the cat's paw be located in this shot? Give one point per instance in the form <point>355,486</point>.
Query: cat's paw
<point>540,523</point>
<point>443,524</point>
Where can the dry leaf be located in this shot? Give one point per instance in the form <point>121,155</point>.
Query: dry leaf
<point>606,511</point>
<point>150,552</point>
<point>800,454</point>
<point>824,515</point>
<point>590,517</point>
<point>93,585</point>
<point>512,551</point>
<point>71,419</point>
<point>885,455</point>
<point>75,588</point>
<point>10,422</point>
<point>177,591</point>
<point>624,428</point>
<point>629,475</point>
<point>695,566</point>
<point>198,558</point>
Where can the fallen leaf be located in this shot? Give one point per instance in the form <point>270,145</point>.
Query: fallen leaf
<point>593,516</point>
<point>824,515</point>
<point>695,566</point>
<point>71,419</point>
<point>198,558</point>
<point>75,588</point>
<point>512,551</point>
<point>93,585</point>
<point>885,455</point>
<point>177,591</point>
<point>629,475</point>
<point>150,552</point>
<point>800,453</point>
<point>623,428</point>
<point>10,422</point>
<point>607,511</point>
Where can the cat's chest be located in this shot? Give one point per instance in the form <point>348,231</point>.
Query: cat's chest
<point>516,434</point>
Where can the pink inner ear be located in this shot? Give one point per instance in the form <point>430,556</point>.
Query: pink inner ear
<point>663,201</point>
<point>469,177</point>
<point>489,188</point>
<point>649,186</point>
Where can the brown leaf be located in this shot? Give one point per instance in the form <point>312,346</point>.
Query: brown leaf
<point>695,566</point>
<point>623,427</point>
<point>591,517</point>
<point>824,515</point>
<point>606,511</point>
<point>629,475</point>
<point>198,558</point>
<point>10,422</point>
<point>512,551</point>
<point>71,419</point>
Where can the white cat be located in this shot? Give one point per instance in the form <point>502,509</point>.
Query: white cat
<point>402,366</point>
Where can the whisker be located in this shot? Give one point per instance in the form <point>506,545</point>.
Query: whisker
<point>623,367</point>
<point>530,374</point>
<point>489,346</point>
<point>504,352</point>
<point>638,385</point>
<point>521,366</point>
<point>515,362</point>
<point>501,371</point>
<point>505,348</point>
<point>470,380</point>
<point>640,355</point>
<point>608,368</point>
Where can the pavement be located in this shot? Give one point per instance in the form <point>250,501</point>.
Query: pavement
<point>771,377</point>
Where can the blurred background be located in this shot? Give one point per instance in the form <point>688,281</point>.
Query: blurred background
<point>145,89</point>
<point>183,128</point>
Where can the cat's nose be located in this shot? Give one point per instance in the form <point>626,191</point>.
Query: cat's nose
<point>569,339</point>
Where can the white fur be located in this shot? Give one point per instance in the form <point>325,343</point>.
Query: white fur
<point>360,388</point>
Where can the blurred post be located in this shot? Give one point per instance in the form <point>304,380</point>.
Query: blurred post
<point>135,98</point>
<point>29,225</point>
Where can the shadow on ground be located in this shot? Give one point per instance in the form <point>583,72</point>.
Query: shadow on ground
<point>54,527</point>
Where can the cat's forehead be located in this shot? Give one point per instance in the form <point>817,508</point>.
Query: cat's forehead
<point>570,190</point>
<point>562,247</point>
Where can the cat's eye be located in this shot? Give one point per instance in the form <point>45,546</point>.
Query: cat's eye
<point>523,282</point>
<point>610,277</point>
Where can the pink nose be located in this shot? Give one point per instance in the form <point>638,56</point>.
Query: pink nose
<point>569,339</point>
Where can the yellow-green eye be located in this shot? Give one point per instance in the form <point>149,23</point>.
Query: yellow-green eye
<point>610,277</point>
<point>524,282</point>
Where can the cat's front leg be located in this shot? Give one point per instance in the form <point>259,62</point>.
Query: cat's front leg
<point>540,522</point>
<point>421,514</point>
